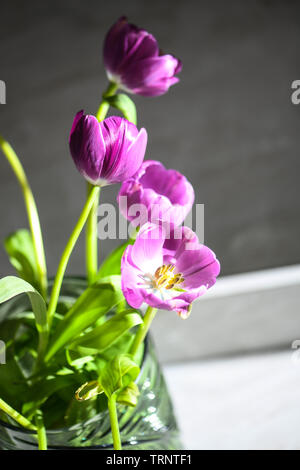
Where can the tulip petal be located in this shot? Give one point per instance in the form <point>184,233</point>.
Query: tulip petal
<point>130,280</point>
<point>199,267</point>
<point>179,240</point>
<point>147,249</point>
<point>87,146</point>
<point>132,158</point>
<point>166,195</point>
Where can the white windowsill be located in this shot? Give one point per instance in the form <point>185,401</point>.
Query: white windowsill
<point>242,403</point>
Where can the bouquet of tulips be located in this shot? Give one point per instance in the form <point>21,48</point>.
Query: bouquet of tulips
<point>92,349</point>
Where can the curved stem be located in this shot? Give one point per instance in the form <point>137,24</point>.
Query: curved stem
<point>113,416</point>
<point>104,105</point>
<point>143,330</point>
<point>91,244</point>
<point>102,110</point>
<point>41,431</point>
<point>68,250</point>
<point>16,416</point>
<point>33,218</point>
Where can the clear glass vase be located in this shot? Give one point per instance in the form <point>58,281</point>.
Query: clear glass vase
<point>150,425</point>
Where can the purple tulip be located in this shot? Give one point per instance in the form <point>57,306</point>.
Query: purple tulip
<point>107,152</point>
<point>133,60</point>
<point>164,195</point>
<point>149,276</point>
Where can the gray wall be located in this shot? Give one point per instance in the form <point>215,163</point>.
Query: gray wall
<point>229,125</point>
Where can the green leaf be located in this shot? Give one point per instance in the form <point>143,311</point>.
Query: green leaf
<point>129,395</point>
<point>95,302</point>
<point>77,361</point>
<point>42,390</point>
<point>103,336</point>
<point>118,374</point>
<point>19,247</point>
<point>112,264</point>
<point>121,346</point>
<point>124,104</point>
<point>13,386</point>
<point>12,286</point>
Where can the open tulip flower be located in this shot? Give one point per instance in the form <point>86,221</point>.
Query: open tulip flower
<point>149,276</point>
<point>107,152</point>
<point>163,195</point>
<point>133,61</point>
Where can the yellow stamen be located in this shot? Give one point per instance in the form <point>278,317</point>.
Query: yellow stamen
<point>165,279</point>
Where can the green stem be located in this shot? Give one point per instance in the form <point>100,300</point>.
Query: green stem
<point>42,346</point>
<point>104,106</point>
<point>113,416</point>
<point>102,110</point>
<point>16,416</point>
<point>33,218</point>
<point>92,240</point>
<point>143,330</point>
<point>68,250</point>
<point>91,244</point>
<point>41,431</point>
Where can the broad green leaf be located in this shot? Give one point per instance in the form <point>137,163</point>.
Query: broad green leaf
<point>19,247</point>
<point>13,386</point>
<point>121,346</point>
<point>112,264</point>
<point>42,390</point>
<point>77,361</point>
<point>129,395</point>
<point>95,302</point>
<point>118,374</point>
<point>124,104</point>
<point>103,336</point>
<point>12,286</point>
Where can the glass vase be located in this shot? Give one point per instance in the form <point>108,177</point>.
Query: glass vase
<point>150,425</point>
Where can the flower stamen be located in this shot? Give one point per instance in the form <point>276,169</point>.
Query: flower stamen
<point>164,277</point>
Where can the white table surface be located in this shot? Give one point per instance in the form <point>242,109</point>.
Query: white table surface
<point>250,402</point>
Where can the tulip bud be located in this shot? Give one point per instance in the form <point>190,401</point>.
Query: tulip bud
<point>133,60</point>
<point>107,152</point>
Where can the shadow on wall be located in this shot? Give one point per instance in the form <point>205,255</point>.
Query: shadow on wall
<point>229,125</point>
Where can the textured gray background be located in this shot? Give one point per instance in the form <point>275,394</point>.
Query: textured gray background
<point>229,125</point>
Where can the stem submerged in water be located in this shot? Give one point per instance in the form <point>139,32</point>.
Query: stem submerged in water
<point>113,416</point>
<point>41,431</point>
<point>16,416</point>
